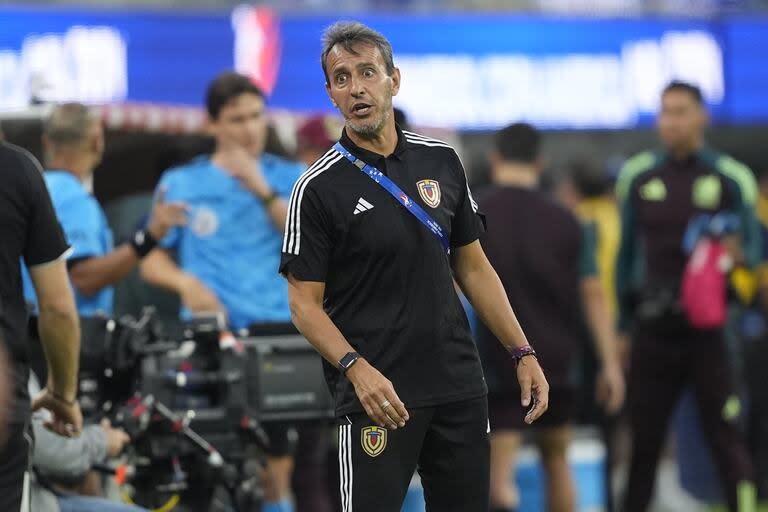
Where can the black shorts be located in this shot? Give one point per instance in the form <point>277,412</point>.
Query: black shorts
<point>506,413</point>
<point>448,444</point>
<point>282,437</point>
<point>14,462</point>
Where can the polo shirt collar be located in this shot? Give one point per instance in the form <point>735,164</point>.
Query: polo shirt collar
<point>370,156</point>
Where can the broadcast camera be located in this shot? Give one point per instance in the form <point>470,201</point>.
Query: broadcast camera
<point>192,402</point>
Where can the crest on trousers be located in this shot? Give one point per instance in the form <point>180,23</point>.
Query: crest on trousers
<point>374,440</point>
<point>429,190</point>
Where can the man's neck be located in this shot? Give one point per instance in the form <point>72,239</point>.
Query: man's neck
<point>686,151</point>
<point>384,143</point>
<point>516,175</point>
<point>80,167</point>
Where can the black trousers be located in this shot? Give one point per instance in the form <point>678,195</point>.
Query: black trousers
<point>14,462</point>
<point>448,444</point>
<point>663,363</point>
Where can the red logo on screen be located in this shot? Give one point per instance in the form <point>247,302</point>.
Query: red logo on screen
<point>257,44</point>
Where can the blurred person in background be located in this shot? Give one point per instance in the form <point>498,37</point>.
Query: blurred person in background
<point>754,331</point>
<point>546,262</point>
<point>73,139</point>
<point>315,136</point>
<point>750,324</point>
<point>30,231</point>
<point>228,251</point>
<point>401,119</point>
<point>663,196</point>
<point>594,203</point>
<point>596,206</point>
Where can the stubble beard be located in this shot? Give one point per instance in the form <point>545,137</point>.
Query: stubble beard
<point>372,129</point>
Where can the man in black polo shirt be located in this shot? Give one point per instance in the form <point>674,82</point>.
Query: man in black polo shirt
<point>29,229</point>
<point>660,194</point>
<point>370,286</point>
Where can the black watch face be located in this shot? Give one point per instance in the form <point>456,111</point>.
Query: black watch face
<point>347,360</point>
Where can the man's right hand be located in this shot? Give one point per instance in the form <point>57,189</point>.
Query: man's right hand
<point>377,395</point>
<point>197,297</point>
<point>117,439</point>
<point>66,420</point>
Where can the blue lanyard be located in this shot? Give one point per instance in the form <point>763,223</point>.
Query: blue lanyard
<point>401,197</point>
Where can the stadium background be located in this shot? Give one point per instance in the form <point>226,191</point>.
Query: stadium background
<point>587,72</point>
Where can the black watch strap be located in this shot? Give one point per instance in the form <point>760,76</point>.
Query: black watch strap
<point>346,362</point>
<point>142,242</point>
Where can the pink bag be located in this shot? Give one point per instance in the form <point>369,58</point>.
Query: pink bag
<point>704,294</point>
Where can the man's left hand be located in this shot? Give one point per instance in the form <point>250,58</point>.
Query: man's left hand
<point>165,216</point>
<point>534,388</point>
<point>242,165</point>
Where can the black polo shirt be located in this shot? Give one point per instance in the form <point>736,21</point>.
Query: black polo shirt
<point>388,282</point>
<point>30,230</point>
<point>541,254</point>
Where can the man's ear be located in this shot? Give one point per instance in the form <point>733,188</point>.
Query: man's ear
<point>328,91</point>
<point>95,144</point>
<point>209,126</point>
<point>395,81</point>
<point>704,118</point>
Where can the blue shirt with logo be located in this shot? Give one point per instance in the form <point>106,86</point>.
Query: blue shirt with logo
<point>88,234</point>
<point>230,242</point>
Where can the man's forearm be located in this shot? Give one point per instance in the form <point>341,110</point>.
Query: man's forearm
<point>313,322</point>
<point>159,269</point>
<point>599,320</point>
<point>484,290</point>
<point>91,275</point>
<point>320,331</point>
<point>278,211</point>
<point>277,207</point>
<point>59,329</point>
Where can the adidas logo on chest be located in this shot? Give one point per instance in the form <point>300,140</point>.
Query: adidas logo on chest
<point>362,206</point>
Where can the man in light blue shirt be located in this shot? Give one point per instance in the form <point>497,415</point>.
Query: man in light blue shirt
<point>74,143</point>
<point>229,250</point>
<point>231,244</point>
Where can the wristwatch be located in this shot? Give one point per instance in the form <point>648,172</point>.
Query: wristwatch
<point>519,353</point>
<point>269,198</point>
<point>346,362</point>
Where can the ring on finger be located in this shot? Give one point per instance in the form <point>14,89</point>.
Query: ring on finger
<point>386,404</point>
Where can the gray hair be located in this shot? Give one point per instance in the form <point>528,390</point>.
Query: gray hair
<point>350,33</point>
<point>69,124</point>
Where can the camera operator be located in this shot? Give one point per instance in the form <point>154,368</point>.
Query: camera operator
<point>228,251</point>
<point>61,465</point>
<point>74,142</point>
